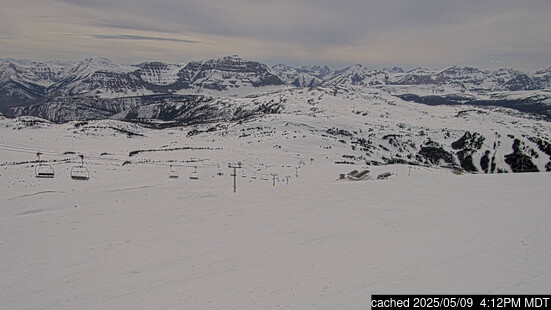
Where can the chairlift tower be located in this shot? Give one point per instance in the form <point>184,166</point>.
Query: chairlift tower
<point>234,174</point>
<point>274,176</point>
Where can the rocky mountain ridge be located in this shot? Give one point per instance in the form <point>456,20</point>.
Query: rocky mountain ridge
<point>98,88</point>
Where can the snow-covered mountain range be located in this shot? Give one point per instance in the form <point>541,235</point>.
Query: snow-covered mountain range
<point>100,88</point>
<point>462,117</point>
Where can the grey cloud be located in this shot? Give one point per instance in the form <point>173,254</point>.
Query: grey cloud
<point>310,22</point>
<point>456,31</point>
<point>286,21</point>
<point>136,37</point>
<point>135,25</point>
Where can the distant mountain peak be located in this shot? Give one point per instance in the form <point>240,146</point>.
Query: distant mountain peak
<point>395,70</point>
<point>100,64</point>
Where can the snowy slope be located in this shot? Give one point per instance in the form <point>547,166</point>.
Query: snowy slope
<point>92,65</point>
<point>131,238</point>
<point>26,71</point>
<point>95,74</point>
<point>364,125</point>
<point>23,81</point>
<point>304,76</point>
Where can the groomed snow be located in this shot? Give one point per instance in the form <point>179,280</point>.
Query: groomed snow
<point>130,238</point>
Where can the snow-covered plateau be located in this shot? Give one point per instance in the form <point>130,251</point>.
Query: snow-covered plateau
<point>294,235</point>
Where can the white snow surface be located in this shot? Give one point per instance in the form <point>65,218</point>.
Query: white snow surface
<point>130,238</point>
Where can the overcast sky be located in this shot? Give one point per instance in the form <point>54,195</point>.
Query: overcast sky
<point>409,33</point>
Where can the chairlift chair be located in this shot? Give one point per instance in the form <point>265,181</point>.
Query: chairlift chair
<point>80,173</point>
<point>43,170</point>
<point>194,175</point>
<point>173,174</point>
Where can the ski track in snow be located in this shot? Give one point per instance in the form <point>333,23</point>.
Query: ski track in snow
<point>38,193</point>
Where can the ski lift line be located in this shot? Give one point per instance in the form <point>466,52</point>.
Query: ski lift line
<point>247,170</point>
<point>158,164</point>
<point>17,150</point>
<point>27,151</point>
<point>105,159</point>
<point>30,150</point>
<point>7,145</point>
<point>24,146</point>
<point>51,152</point>
<point>33,150</point>
<point>45,151</point>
